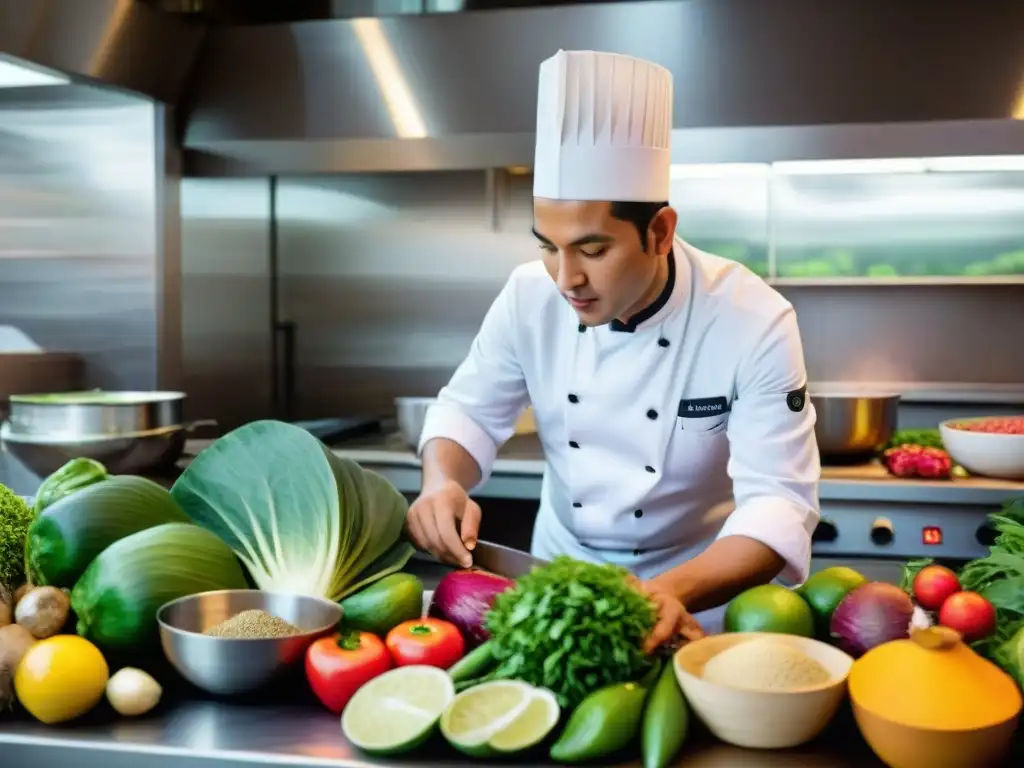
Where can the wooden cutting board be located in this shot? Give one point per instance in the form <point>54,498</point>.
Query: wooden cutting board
<point>874,472</point>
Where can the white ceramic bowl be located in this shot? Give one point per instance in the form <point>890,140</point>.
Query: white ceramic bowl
<point>984,453</point>
<point>762,719</point>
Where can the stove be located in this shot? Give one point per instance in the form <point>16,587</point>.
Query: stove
<point>878,539</point>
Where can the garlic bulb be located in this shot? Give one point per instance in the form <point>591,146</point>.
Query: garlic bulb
<point>132,692</point>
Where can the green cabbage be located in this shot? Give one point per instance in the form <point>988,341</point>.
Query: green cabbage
<point>301,520</point>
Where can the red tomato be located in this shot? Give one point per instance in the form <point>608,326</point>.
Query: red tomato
<point>434,642</point>
<point>970,614</point>
<point>933,584</point>
<point>338,666</point>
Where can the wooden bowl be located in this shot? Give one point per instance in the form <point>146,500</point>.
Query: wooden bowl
<point>907,746</point>
<point>762,719</point>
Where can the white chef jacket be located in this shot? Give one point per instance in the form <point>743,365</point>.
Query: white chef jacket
<point>690,422</point>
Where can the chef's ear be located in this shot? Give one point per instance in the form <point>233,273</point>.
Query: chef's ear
<point>662,230</point>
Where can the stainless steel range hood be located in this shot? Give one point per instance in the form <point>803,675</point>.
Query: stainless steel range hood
<point>458,90</point>
<point>118,43</point>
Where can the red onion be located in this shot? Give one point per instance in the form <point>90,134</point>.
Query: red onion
<point>870,615</point>
<point>463,597</point>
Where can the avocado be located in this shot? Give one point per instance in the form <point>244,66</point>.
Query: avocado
<point>384,604</point>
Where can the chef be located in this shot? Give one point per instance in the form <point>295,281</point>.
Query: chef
<point>668,384</point>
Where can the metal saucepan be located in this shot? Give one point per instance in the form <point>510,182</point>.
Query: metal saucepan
<point>412,412</point>
<point>853,425</point>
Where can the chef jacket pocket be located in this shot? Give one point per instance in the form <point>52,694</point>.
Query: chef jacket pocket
<point>707,426</point>
<point>705,416</point>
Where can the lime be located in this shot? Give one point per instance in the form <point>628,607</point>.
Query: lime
<point>397,711</point>
<point>825,589</point>
<point>770,608</point>
<point>499,717</point>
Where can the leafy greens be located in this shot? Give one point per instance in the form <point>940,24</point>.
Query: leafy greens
<point>999,578</point>
<point>571,627</point>
<point>300,519</point>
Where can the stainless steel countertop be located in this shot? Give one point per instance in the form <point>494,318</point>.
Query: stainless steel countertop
<point>193,730</point>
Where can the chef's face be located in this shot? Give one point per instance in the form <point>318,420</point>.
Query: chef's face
<point>599,262</point>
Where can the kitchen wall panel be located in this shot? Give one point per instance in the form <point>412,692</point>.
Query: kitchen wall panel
<point>225,299</point>
<point>78,228</point>
<point>389,275</point>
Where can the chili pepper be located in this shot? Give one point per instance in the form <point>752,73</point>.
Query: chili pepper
<point>666,721</point>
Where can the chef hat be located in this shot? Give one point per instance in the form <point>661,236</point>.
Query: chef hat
<point>604,127</point>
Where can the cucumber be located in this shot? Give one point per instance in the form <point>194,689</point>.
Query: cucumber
<point>118,596</point>
<point>66,537</point>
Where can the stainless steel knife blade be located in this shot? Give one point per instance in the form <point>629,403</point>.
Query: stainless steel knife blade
<point>504,561</point>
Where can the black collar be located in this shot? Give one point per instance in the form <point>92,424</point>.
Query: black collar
<point>652,309</point>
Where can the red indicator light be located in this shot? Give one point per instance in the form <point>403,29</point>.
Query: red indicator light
<point>931,535</point>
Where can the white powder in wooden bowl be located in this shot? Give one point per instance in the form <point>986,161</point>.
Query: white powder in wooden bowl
<point>765,664</point>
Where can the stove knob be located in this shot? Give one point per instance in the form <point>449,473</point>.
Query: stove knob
<point>986,534</point>
<point>826,531</point>
<point>882,532</point>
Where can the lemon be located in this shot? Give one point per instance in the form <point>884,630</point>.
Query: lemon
<point>61,678</point>
<point>501,717</point>
<point>397,711</point>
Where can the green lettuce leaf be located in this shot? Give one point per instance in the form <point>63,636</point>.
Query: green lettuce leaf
<point>300,519</point>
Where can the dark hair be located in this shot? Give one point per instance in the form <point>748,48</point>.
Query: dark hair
<point>640,215</point>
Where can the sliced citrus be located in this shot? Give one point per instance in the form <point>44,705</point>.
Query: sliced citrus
<point>499,717</point>
<point>397,711</point>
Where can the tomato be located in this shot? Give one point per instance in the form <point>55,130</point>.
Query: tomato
<point>970,614</point>
<point>933,584</point>
<point>338,666</point>
<point>434,642</point>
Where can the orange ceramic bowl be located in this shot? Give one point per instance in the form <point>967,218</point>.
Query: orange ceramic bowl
<point>905,746</point>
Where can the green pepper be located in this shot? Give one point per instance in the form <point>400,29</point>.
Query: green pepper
<point>605,722</point>
<point>73,476</point>
<point>666,721</point>
<point>477,662</point>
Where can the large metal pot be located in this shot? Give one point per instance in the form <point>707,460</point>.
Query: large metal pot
<point>89,415</point>
<point>853,425</point>
<point>129,432</point>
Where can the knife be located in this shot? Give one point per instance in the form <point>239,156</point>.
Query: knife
<point>504,561</point>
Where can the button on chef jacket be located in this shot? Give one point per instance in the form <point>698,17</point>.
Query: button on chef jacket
<point>689,423</point>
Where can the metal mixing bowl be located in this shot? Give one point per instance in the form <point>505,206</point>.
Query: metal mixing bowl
<point>412,412</point>
<point>853,424</point>
<point>230,666</point>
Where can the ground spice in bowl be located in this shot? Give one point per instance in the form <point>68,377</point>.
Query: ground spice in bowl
<point>251,625</point>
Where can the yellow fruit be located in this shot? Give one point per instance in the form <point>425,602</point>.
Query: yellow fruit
<point>61,678</point>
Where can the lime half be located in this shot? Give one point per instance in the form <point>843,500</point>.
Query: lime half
<point>499,717</point>
<point>397,711</point>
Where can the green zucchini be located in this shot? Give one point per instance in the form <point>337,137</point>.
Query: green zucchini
<point>73,476</point>
<point>118,596</point>
<point>66,537</point>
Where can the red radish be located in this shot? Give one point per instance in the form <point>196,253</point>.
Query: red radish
<point>870,615</point>
<point>970,614</point>
<point>933,584</point>
<point>463,597</point>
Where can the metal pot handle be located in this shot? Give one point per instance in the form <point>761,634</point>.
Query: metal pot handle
<point>192,426</point>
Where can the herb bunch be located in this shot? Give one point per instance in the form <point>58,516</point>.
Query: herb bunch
<point>571,627</point>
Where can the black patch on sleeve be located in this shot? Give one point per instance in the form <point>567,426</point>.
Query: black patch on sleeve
<point>796,399</point>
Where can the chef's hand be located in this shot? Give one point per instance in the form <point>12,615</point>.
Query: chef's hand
<point>673,619</point>
<point>445,522</point>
